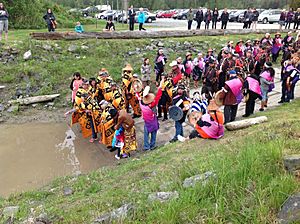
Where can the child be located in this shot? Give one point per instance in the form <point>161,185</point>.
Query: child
<point>79,28</point>
<point>118,142</point>
<point>75,84</point>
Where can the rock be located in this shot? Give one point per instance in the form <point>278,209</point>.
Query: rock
<point>83,47</point>
<point>10,220</point>
<point>192,181</point>
<point>149,48</point>
<point>163,196</point>
<point>290,211</point>
<point>10,211</point>
<point>27,55</point>
<point>292,162</point>
<point>130,53</point>
<point>138,50</point>
<point>186,43</point>
<point>13,109</point>
<point>1,107</point>
<point>34,105</point>
<point>160,44</point>
<point>72,48</point>
<point>116,215</point>
<point>68,191</point>
<point>19,93</point>
<point>47,47</point>
<point>50,104</point>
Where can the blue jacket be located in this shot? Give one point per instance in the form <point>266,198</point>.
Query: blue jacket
<point>141,17</point>
<point>79,29</point>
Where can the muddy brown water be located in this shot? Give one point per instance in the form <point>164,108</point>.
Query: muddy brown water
<point>33,154</point>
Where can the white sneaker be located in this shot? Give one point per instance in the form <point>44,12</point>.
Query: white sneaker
<point>180,138</point>
<point>117,157</point>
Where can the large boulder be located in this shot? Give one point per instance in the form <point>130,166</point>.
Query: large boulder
<point>201,178</point>
<point>116,215</point>
<point>290,211</point>
<point>292,162</point>
<point>163,196</point>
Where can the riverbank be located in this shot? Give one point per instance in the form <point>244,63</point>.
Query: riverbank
<point>246,181</point>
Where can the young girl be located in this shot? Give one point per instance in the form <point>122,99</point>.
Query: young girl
<point>3,21</point>
<point>159,67</point>
<point>266,83</point>
<point>198,69</point>
<point>146,72</point>
<point>75,84</point>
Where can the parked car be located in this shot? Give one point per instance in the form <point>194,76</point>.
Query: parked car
<point>269,16</point>
<point>89,11</point>
<point>166,14</point>
<point>241,16</point>
<point>234,17</point>
<point>106,14</point>
<point>150,17</point>
<point>183,14</point>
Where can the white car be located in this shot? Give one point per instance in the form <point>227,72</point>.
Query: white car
<point>269,16</point>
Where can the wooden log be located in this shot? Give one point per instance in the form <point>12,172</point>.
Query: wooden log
<point>34,99</point>
<point>236,125</point>
<point>2,87</point>
<point>143,34</point>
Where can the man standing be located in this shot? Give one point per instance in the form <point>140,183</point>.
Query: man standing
<point>199,18</point>
<point>190,17</point>
<point>224,19</point>
<point>131,15</point>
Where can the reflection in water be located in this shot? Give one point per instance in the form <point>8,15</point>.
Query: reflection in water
<point>68,144</point>
<point>31,155</point>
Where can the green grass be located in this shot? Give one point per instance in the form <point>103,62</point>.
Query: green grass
<point>250,187</point>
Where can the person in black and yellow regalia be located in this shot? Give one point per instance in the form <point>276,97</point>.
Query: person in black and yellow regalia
<point>117,99</point>
<point>128,91</point>
<point>87,112</point>
<point>107,124</point>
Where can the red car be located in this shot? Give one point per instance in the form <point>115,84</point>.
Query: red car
<point>166,14</point>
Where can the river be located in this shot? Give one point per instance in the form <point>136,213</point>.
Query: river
<point>33,154</point>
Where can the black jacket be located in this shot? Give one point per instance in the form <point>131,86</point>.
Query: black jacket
<point>225,17</point>
<point>199,16</point>
<point>131,14</point>
<point>48,17</point>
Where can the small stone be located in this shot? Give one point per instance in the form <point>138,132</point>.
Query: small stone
<point>290,211</point>
<point>1,107</point>
<point>19,93</point>
<point>149,48</point>
<point>160,44</point>
<point>72,48</point>
<point>292,162</point>
<point>34,105</point>
<point>10,211</point>
<point>83,47</point>
<point>68,191</point>
<point>50,104</point>
<point>27,55</point>
<point>163,196</point>
<point>13,109</point>
<point>130,53</point>
<point>138,49</point>
<point>47,47</point>
<point>192,181</point>
<point>116,215</point>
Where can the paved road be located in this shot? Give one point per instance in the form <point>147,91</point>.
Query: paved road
<point>174,24</point>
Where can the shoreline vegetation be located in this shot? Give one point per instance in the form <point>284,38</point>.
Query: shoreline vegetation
<point>249,183</point>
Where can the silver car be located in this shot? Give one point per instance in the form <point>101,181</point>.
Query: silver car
<point>269,16</point>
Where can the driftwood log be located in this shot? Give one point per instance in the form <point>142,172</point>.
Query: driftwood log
<point>2,87</point>
<point>245,123</point>
<point>142,34</point>
<point>34,99</point>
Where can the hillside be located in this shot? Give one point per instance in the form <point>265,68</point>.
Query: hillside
<point>246,181</point>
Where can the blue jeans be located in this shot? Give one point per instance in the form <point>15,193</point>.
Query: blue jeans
<point>148,146</point>
<point>178,129</point>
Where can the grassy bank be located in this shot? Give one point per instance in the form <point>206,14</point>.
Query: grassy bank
<point>250,187</point>
<point>52,65</point>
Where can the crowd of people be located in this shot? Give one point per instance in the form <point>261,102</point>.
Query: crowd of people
<point>250,18</point>
<point>239,72</point>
